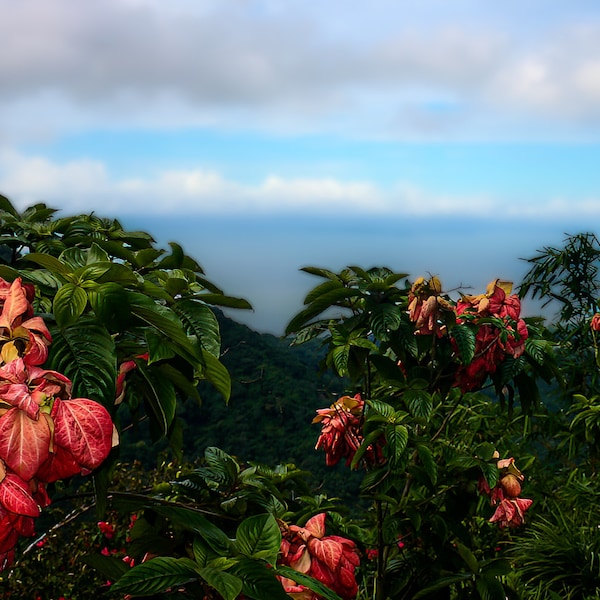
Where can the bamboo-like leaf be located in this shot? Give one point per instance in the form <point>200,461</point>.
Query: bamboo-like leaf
<point>156,575</point>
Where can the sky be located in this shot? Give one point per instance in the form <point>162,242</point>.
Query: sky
<point>447,138</point>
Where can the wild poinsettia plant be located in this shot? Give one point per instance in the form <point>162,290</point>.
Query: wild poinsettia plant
<point>421,423</point>
<point>330,559</point>
<point>45,434</point>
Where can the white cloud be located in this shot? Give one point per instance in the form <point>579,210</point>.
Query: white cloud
<point>86,185</point>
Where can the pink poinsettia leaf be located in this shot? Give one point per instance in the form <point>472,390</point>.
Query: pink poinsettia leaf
<point>328,551</point>
<point>8,537</point>
<point>316,525</point>
<point>23,525</point>
<point>24,442</point>
<point>17,395</point>
<point>60,464</point>
<point>85,429</point>
<point>15,305</point>
<point>15,496</point>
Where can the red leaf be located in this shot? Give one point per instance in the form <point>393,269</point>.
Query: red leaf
<point>24,442</point>
<point>327,551</point>
<point>15,304</point>
<point>316,525</point>
<point>84,428</point>
<point>15,496</point>
<point>61,464</point>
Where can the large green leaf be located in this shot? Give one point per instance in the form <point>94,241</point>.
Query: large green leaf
<point>229,586</point>
<point>85,353</point>
<point>259,537</point>
<point>69,304</point>
<point>384,319</point>
<point>156,575</point>
<point>259,581</point>
<point>200,320</point>
<point>51,263</point>
<point>160,398</point>
<point>216,373</point>
<point>166,322</point>
<point>111,304</point>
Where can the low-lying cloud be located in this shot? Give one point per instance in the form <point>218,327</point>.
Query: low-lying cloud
<point>87,185</point>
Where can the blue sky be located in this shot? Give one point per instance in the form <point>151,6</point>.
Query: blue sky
<point>445,137</point>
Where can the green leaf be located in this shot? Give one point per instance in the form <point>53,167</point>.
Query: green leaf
<point>340,357</point>
<point>110,303</point>
<point>259,537</point>
<point>428,462</point>
<point>225,301</point>
<point>68,304</point>
<point>442,583</point>
<point>468,557</point>
<point>419,403</point>
<point>111,567</point>
<point>227,585</point>
<point>85,353</point>
<point>164,321</point>
<point>51,263</point>
<point>310,582</point>
<point>259,581</point>
<point>192,520</point>
<point>464,336</point>
<point>384,319</point>
<point>200,320</point>
<point>490,588</point>
<point>216,373</point>
<point>397,438</point>
<point>159,397</point>
<point>332,298</point>
<point>156,575</point>
<point>370,438</point>
<point>321,289</point>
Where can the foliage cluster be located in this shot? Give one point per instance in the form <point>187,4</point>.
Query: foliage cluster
<point>470,484</point>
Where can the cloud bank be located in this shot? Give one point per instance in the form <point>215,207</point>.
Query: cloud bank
<point>378,70</point>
